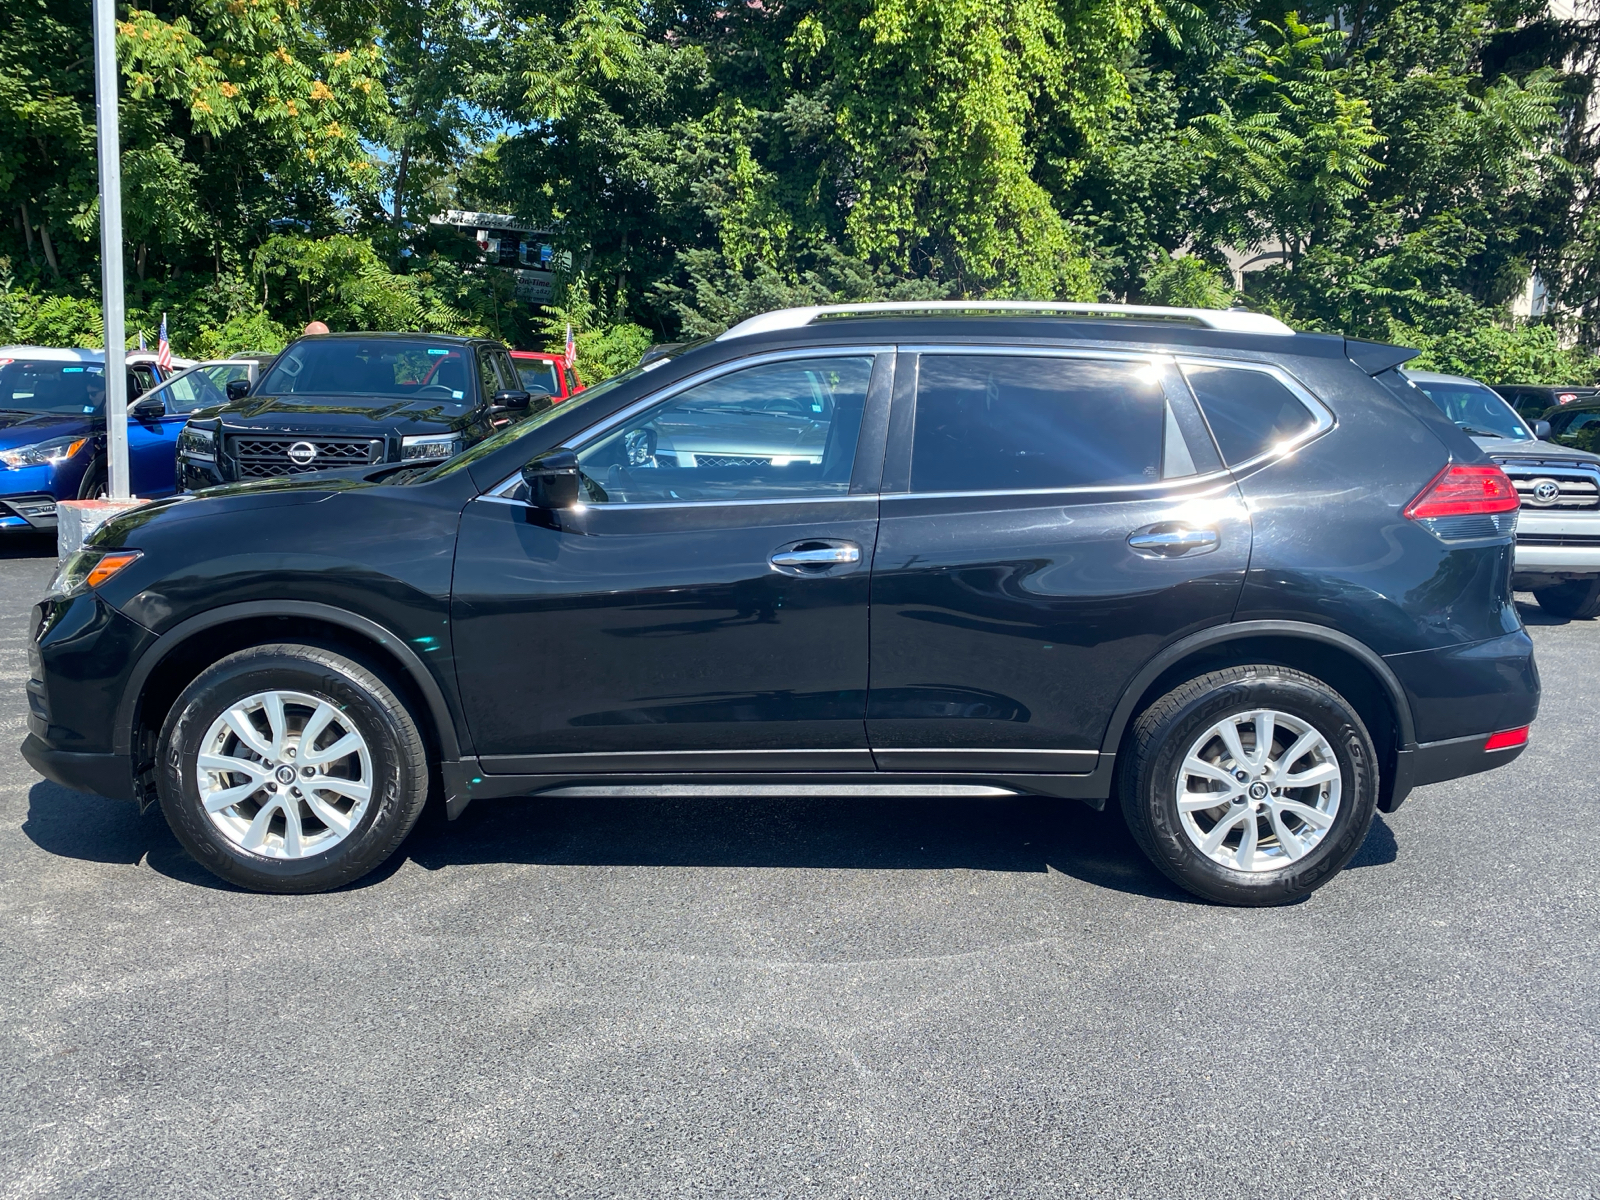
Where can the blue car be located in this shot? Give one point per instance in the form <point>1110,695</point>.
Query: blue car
<point>53,429</point>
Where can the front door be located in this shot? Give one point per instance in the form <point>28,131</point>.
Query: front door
<point>705,609</point>
<point>153,441</point>
<point>1049,522</point>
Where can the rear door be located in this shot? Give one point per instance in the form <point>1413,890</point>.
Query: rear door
<point>1049,521</point>
<point>705,609</point>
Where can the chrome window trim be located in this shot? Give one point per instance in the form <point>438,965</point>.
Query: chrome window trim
<point>873,496</point>
<point>1165,485</point>
<point>638,406</point>
<point>1323,418</point>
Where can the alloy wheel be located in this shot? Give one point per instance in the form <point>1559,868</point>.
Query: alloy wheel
<point>284,775</point>
<point>1258,790</point>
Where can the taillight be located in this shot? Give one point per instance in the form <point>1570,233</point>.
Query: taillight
<point>1462,490</point>
<point>1507,738</point>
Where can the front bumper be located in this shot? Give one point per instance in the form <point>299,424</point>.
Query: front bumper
<point>28,512</point>
<point>109,775</point>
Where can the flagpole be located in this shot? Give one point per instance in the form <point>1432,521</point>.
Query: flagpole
<point>111,280</point>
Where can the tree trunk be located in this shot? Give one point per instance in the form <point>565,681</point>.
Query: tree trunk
<point>49,249</point>
<point>400,181</point>
<point>27,232</point>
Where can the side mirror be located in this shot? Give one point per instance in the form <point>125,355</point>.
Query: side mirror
<point>510,400</point>
<point>238,389</point>
<point>149,409</point>
<point>552,479</point>
<point>1541,430</point>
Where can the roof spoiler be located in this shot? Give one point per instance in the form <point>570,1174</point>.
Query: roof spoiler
<point>1377,357</point>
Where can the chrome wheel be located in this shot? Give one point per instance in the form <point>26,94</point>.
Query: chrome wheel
<point>284,775</point>
<point>1258,790</point>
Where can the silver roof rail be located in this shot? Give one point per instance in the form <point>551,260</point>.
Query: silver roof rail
<point>1231,320</point>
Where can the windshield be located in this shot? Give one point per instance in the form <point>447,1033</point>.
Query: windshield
<point>53,387</point>
<point>523,428</point>
<point>385,368</point>
<point>538,376</point>
<point>1476,409</point>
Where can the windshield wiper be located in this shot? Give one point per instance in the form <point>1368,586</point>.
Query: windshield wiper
<point>1472,432</point>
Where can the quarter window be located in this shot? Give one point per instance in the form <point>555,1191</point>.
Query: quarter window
<point>1002,423</point>
<point>774,431</point>
<point>1250,412</point>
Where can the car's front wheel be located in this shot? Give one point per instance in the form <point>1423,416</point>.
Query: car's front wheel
<point>1252,785</point>
<point>288,768</point>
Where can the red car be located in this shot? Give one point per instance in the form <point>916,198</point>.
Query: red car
<point>547,374</point>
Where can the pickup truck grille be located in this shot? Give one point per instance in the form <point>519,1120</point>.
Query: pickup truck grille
<point>274,457</point>
<point>1553,485</point>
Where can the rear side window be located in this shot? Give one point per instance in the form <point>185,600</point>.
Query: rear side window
<point>1002,423</point>
<point>1250,412</point>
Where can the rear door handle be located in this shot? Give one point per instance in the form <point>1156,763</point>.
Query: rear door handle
<point>815,556</point>
<point>1173,539</point>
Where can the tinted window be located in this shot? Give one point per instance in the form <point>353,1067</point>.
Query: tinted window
<point>195,389</point>
<point>54,387</point>
<point>1478,411</point>
<point>383,368</point>
<point>1249,411</point>
<point>766,432</point>
<point>994,423</point>
<point>539,376</point>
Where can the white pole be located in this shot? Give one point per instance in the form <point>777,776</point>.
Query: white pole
<point>111,284</point>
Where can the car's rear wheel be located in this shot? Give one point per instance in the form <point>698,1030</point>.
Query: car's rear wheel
<point>1252,785</point>
<point>1576,600</point>
<point>288,768</point>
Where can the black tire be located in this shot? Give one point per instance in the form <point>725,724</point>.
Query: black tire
<point>1576,600</point>
<point>1163,734</point>
<point>398,760</point>
<point>94,485</point>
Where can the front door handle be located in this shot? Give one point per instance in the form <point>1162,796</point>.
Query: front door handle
<point>1173,539</point>
<point>822,557</point>
<point>815,556</point>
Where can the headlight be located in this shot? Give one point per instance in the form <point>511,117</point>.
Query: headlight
<point>195,442</point>
<point>37,455</point>
<point>90,568</point>
<point>430,446</point>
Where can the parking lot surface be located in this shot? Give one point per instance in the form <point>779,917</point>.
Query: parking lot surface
<point>806,998</point>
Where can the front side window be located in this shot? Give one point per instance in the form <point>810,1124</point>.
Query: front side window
<point>382,368</point>
<point>1250,412</point>
<point>773,431</point>
<point>1003,423</point>
<point>539,376</point>
<point>1477,410</point>
<point>488,375</point>
<point>194,389</point>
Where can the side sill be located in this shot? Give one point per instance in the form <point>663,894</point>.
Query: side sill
<point>465,782</point>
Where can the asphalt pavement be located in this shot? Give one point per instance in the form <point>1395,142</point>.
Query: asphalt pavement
<point>806,998</point>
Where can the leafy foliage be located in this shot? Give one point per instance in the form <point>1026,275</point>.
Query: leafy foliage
<point>1387,168</point>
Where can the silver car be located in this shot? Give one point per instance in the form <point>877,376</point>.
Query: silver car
<point>1558,527</point>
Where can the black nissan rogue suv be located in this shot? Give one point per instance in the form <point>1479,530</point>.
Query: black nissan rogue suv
<point>1242,580</point>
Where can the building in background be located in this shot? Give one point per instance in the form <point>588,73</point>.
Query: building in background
<point>514,246</point>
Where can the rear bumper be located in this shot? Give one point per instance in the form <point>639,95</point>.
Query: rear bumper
<point>1436,762</point>
<point>108,775</point>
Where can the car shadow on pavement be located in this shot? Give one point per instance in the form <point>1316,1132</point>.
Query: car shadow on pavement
<point>93,829</point>
<point>28,545</point>
<point>1022,834</point>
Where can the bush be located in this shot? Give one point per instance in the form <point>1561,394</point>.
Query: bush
<point>1519,352</point>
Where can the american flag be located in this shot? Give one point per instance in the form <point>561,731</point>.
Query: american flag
<point>572,349</point>
<point>163,348</point>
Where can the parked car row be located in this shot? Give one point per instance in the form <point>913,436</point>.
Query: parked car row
<point>1249,584</point>
<point>336,401</point>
